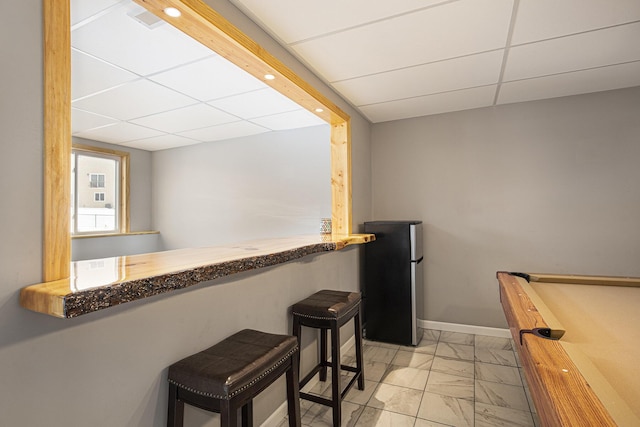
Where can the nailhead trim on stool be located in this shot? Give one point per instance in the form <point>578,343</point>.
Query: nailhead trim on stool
<point>329,310</point>
<point>228,375</point>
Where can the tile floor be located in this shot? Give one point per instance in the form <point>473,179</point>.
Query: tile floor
<point>449,379</point>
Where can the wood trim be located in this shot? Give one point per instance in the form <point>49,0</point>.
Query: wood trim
<point>210,28</point>
<point>341,178</point>
<point>56,249</point>
<point>586,280</point>
<point>561,394</point>
<point>204,24</point>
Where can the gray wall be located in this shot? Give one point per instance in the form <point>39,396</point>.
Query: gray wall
<point>109,368</point>
<point>547,186</point>
<point>274,184</point>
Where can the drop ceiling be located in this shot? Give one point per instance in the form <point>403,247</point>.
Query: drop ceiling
<point>406,58</point>
<point>140,83</point>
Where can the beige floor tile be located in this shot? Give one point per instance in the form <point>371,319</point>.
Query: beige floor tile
<point>396,399</point>
<point>413,360</point>
<point>374,353</point>
<point>406,377</point>
<point>373,371</point>
<point>495,356</point>
<point>461,368</point>
<point>507,396</point>
<point>380,344</point>
<point>447,410</point>
<point>497,343</point>
<point>372,417</point>
<point>450,385</point>
<point>498,373</point>
<point>495,416</point>
<point>470,379</point>
<point>322,416</point>
<point>455,351</point>
<point>457,338</point>
<point>424,346</point>
<point>361,397</point>
<point>431,334</point>
<point>426,423</point>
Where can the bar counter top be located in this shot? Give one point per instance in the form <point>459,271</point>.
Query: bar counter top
<point>101,283</point>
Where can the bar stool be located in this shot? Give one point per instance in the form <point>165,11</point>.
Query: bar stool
<point>227,376</point>
<point>329,310</point>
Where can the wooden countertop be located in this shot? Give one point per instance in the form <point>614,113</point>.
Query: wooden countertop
<point>101,283</point>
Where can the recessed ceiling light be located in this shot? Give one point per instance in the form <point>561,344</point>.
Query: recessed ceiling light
<point>319,110</point>
<point>172,12</point>
<point>269,76</point>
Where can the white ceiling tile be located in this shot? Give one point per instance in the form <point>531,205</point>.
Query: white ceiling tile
<point>543,19</point>
<point>90,75</point>
<point>328,15</point>
<point>225,131</point>
<point>431,104</point>
<point>443,32</point>
<point>162,142</point>
<point>120,39</point>
<point>84,120</point>
<point>119,133</point>
<point>187,118</point>
<point>258,103</point>
<point>208,79</point>
<point>133,100</point>
<point>443,76</point>
<point>594,80</point>
<point>594,49</point>
<point>83,9</point>
<point>290,120</point>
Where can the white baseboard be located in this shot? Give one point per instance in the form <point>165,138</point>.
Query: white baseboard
<point>279,414</point>
<point>466,329</point>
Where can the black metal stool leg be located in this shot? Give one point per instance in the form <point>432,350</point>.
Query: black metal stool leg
<point>293,393</point>
<point>228,414</point>
<point>247,414</point>
<point>175,416</point>
<point>336,384</point>
<point>359,363</point>
<point>323,354</point>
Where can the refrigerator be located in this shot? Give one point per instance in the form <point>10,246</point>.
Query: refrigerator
<point>393,282</point>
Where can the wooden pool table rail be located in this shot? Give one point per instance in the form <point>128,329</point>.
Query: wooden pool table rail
<point>586,280</point>
<point>561,394</point>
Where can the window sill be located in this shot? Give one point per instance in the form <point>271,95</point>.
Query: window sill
<point>102,283</point>
<point>130,233</point>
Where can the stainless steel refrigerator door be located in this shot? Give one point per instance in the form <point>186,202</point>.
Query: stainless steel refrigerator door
<point>415,233</point>
<point>416,283</point>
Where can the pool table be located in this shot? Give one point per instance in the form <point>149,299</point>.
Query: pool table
<point>578,340</point>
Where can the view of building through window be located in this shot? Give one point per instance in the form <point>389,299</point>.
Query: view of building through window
<point>95,192</point>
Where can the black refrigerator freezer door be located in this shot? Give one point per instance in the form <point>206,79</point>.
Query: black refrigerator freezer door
<point>388,304</point>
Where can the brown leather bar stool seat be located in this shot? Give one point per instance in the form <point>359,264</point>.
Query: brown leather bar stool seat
<point>329,310</point>
<point>227,376</point>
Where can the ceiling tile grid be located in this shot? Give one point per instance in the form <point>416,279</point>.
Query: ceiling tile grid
<point>138,81</point>
<point>394,60</point>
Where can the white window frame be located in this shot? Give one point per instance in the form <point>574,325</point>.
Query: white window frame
<point>122,184</point>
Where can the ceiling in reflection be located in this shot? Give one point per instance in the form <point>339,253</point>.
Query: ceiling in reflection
<point>139,82</point>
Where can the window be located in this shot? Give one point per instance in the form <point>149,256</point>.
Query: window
<point>98,212</point>
<point>96,180</point>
